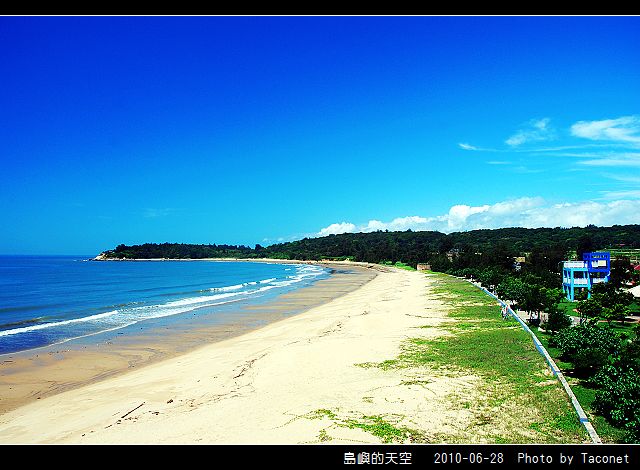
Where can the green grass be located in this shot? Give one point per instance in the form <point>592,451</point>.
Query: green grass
<point>502,354</point>
<point>397,264</point>
<point>339,258</point>
<point>376,425</point>
<point>626,329</point>
<point>568,307</point>
<point>632,253</point>
<point>404,266</point>
<point>323,436</point>
<point>321,413</point>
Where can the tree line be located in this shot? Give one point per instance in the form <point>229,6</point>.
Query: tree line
<point>544,247</point>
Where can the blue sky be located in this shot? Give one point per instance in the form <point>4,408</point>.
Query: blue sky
<point>255,130</point>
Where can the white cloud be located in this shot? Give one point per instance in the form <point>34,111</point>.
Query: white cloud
<point>622,129</point>
<point>624,178</point>
<point>536,130</point>
<point>398,224</point>
<point>374,225</point>
<point>529,212</point>
<point>465,146</point>
<point>581,214</point>
<point>335,229</point>
<point>620,159</point>
<point>459,214</point>
<point>623,194</point>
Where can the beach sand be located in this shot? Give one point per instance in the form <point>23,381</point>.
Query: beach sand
<point>297,380</point>
<point>35,374</point>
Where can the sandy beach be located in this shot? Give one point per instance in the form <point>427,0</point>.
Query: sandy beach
<point>37,373</point>
<point>278,384</point>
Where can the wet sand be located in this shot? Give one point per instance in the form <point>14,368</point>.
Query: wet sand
<point>288,382</point>
<point>34,375</point>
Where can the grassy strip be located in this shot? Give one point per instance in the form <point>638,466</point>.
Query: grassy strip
<point>376,425</point>
<point>404,266</point>
<point>518,398</point>
<point>398,264</point>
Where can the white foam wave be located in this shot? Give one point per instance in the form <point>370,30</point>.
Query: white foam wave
<point>124,317</point>
<point>42,326</point>
<point>198,300</point>
<point>229,288</point>
<point>237,287</point>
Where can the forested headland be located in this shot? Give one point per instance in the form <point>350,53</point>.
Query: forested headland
<point>543,248</point>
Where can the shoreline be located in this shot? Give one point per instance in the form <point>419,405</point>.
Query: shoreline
<point>327,263</point>
<point>46,371</point>
<point>258,387</point>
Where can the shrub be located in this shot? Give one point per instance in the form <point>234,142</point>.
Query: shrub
<point>619,398</point>
<point>557,320</point>
<point>533,321</point>
<point>588,346</point>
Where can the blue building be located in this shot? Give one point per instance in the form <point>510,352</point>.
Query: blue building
<point>580,275</point>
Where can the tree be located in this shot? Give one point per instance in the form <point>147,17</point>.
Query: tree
<point>621,272</point>
<point>557,320</point>
<point>500,255</point>
<point>511,288</point>
<point>614,301</point>
<point>589,310</point>
<point>616,312</point>
<point>551,298</point>
<point>585,245</point>
<point>533,303</point>
<point>581,295</point>
<point>588,346</point>
<point>490,278</point>
<point>619,398</point>
<point>445,244</point>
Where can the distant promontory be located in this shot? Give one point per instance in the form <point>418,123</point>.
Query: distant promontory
<point>546,245</point>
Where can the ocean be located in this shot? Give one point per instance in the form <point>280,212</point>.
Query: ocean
<point>57,299</point>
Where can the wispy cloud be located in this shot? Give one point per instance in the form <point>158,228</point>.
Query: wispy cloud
<point>623,194</point>
<point>465,146</point>
<point>615,160</point>
<point>584,146</point>
<point>622,129</point>
<point>623,178</point>
<point>528,212</point>
<point>526,170</point>
<point>535,130</point>
<point>561,148</point>
<point>152,213</point>
<point>475,148</point>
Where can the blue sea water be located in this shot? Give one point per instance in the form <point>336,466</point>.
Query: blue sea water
<point>55,299</point>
